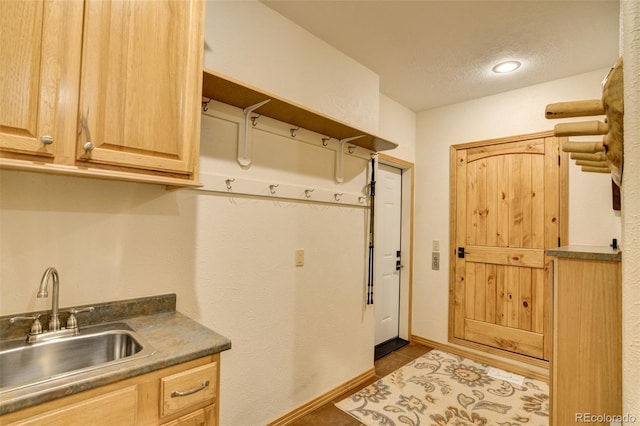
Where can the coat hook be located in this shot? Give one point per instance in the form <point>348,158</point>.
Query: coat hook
<point>272,188</point>
<point>205,104</point>
<point>228,182</point>
<point>307,192</point>
<point>294,132</point>
<point>254,120</point>
<point>337,196</point>
<point>325,141</point>
<point>351,148</point>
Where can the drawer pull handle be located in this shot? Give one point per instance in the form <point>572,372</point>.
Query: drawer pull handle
<point>190,391</point>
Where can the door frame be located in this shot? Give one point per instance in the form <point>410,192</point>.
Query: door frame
<point>406,242</point>
<point>563,190</point>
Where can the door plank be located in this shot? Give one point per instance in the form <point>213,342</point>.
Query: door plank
<point>470,290</point>
<point>501,295</point>
<point>525,195</point>
<point>502,191</point>
<point>510,339</point>
<point>481,202</point>
<point>525,301</point>
<point>538,300</point>
<point>532,258</point>
<point>513,296</point>
<point>537,202</point>
<point>533,146</point>
<point>515,201</point>
<point>491,294</point>
<point>480,292</point>
<point>472,207</point>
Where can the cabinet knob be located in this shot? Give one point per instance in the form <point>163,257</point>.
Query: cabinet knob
<point>88,146</point>
<point>46,139</point>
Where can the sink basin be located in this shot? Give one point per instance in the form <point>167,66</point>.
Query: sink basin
<point>25,364</point>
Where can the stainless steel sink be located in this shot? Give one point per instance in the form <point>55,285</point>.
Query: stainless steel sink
<point>25,364</point>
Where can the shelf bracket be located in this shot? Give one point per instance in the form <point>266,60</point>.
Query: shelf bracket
<point>244,139</point>
<point>340,156</point>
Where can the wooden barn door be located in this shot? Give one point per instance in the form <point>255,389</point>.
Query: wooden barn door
<point>506,199</point>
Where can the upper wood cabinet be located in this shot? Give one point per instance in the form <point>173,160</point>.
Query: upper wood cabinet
<point>110,88</point>
<point>141,83</point>
<point>35,54</point>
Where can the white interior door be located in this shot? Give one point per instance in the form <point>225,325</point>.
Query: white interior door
<point>388,216</point>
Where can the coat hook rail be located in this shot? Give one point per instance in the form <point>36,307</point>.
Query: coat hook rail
<point>238,186</point>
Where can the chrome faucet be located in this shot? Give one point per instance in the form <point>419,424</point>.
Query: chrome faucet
<point>54,321</point>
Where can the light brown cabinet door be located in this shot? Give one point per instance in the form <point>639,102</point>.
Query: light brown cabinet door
<point>113,408</point>
<point>29,75</point>
<point>141,81</point>
<point>506,213</point>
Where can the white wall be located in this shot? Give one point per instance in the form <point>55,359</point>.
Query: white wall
<point>510,113</point>
<point>397,123</point>
<point>252,43</point>
<point>630,19</point>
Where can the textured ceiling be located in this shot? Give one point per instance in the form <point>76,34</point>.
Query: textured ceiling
<point>434,53</point>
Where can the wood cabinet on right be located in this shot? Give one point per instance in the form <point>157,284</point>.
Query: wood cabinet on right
<point>586,365</point>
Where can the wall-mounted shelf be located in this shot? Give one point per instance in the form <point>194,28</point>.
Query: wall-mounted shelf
<point>228,91</point>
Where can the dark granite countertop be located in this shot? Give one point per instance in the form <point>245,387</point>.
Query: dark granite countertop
<point>175,338</point>
<point>586,252</point>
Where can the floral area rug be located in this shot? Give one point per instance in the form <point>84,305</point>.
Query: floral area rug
<point>443,389</point>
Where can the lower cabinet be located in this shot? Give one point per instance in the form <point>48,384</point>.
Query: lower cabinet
<point>586,365</point>
<point>112,408</point>
<point>185,395</point>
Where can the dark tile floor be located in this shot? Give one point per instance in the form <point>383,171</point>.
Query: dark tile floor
<point>329,415</point>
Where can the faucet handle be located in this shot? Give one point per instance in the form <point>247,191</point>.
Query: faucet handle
<point>36,326</point>
<point>72,321</point>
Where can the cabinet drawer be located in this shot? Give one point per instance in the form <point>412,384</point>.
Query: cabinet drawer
<point>203,417</point>
<point>188,388</point>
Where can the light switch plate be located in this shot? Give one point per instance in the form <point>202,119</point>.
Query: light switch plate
<point>300,257</point>
<point>435,261</point>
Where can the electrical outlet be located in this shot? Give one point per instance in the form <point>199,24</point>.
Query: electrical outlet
<point>435,261</point>
<point>300,257</point>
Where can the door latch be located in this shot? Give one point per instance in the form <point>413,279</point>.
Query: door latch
<point>398,261</point>
<point>461,252</point>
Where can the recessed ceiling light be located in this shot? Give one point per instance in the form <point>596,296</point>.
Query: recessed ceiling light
<point>507,66</point>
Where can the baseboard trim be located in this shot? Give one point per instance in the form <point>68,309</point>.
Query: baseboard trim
<point>305,409</point>
<point>504,365</point>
